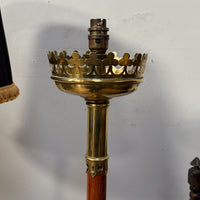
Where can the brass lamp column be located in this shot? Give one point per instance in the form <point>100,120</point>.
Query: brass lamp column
<point>96,157</point>
<point>96,77</point>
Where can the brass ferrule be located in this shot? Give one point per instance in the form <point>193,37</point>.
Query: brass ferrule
<point>96,157</point>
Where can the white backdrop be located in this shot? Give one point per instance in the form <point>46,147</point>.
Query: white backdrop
<point>153,133</point>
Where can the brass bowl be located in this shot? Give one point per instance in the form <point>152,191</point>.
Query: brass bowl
<point>94,78</point>
<point>91,88</point>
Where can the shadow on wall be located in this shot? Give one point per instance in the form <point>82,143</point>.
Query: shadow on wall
<point>54,134</point>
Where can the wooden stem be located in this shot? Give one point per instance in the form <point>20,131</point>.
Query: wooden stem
<point>96,187</point>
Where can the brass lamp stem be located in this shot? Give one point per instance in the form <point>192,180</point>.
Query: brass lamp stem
<point>97,76</point>
<point>96,157</point>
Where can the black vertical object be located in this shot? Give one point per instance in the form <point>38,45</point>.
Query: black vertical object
<point>8,89</point>
<point>5,68</point>
<point>194,179</point>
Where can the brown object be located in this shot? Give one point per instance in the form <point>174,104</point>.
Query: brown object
<point>96,187</point>
<point>194,179</point>
<point>8,93</point>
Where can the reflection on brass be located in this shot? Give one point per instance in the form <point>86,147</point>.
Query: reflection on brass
<point>97,77</point>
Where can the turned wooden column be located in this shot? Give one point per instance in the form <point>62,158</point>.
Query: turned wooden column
<point>96,187</point>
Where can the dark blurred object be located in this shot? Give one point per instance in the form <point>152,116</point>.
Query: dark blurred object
<point>194,179</point>
<point>8,90</point>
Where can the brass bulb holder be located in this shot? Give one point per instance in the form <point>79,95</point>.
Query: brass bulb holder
<point>97,77</point>
<point>98,38</point>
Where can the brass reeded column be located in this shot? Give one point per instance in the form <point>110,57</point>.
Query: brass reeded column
<point>95,77</point>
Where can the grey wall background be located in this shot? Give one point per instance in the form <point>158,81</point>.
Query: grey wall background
<point>153,133</point>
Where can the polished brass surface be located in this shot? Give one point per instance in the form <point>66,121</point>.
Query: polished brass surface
<point>97,77</point>
<point>97,166</point>
<point>85,81</point>
<point>97,129</point>
<point>96,157</point>
<point>75,66</point>
<point>97,89</point>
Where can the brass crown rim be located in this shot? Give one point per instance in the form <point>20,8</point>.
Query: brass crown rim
<point>91,66</point>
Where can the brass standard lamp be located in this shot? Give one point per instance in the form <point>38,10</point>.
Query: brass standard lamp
<point>97,77</point>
